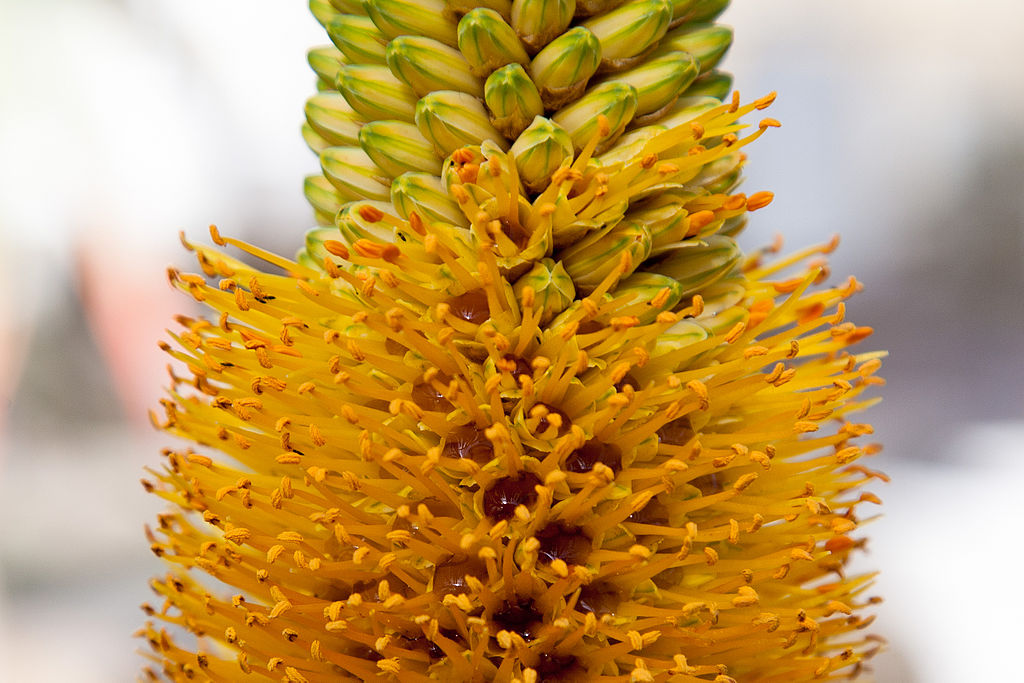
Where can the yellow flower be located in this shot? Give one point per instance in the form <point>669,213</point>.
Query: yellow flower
<point>485,431</point>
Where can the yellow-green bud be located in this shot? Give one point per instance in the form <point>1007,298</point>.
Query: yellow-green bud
<point>708,43</point>
<point>616,101</point>
<point>358,39</point>
<point>351,171</point>
<point>325,199</point>
<point>428,18</point>
<point>513,99</point>
<point>592,258</point>
<point>333,119</point>
<point>715,84</point>
<point>313,139</point>
<point>314,252</point>
<point>561,70</point>
<point>639,291</point>
<point>539,151</point>
<point>671,344</point>
<point>659,81</point>
<point>700,10</point>
<point>552,288</point>
<point>349,6</point>
<point>451,120</point>
<point>323,11</point>
<point>353,226</point>
<point>460,7</point>
<point>374,92</point>
<point>631,144</point>
<point>666,222</point>
<point>325,62</point>
<point>537,22</point>
<point>721,175</point>
<point>427,65</point>
<point>588,8</point>
<point>686,109</point>
<point>627,31</point>
<point>695,265</point>
<point>397,147</point>
<point>488,42</point>
<point>426,195</point>
<point>723,294</point>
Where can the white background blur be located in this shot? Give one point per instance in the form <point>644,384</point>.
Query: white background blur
<point>123,121</point>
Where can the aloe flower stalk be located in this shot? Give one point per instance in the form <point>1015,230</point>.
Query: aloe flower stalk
<point>520,409</point>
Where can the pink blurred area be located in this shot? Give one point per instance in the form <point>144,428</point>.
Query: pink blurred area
<point>125,121</point>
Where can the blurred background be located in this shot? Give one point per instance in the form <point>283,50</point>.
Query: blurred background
<point>125,121</point>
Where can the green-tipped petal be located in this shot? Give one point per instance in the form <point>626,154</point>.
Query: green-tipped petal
<point>561,70</point>
<point>488,42</point>
<point>667,224</point>
<point>659,81</point>
<point>325,62</point>
<point>643,297</point>
<point>686,109</point>
<point>374,92</point>
<point>358,39</point>
<point>426,195</point>
<point>353,172</point>
<point>616,101</point>
<point>630,145</point>
<point>539,151</point>
<point>513,100</point>
<point>451,120</point>
<point>701,10</point>
<point>323,11</point>
<point>460,7</point>
<point>552,288</point>
<point>325,199</point>
<point>672,343</point>
<point>333,118</point>
<point>353,226</point>
<point>629,30</point>
<point>426,65</point>
<point>314,249</point>
<point>349,6</point>
<point>313,139</point>
<point>428,18</point>
<point>398,147</point>
<point>695,265</point>
<point>708,43</point>
<point>537,22</point>
<point>592,258</point>
<point>715,84</point>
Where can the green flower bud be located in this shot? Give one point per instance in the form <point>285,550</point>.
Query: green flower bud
<point>325,62</point>
<point>488,43</point>
<point>428,18</point>
<point>724,294</point>
<point>640,291</point>
<point>426,195</point>
<point>708,43</point>
<point>323,11</point>
<point>353,226</point>
<point>588,8</point>
<point>397,147</point>
<point>358,39</point>
<point>666,223</point>
<point>427,65</point>
<point>700,10</point>
<point>627,147</point>
<point>592,258</point>
<point>513,99</point>
<point>349,6</point>
<point>561,70</point>
<point>720,176</point>
<point>539,151</point>
<point>734,226</point>
<point>313,140</point>
<point>460,7</point>
<point>333,119</point>
<point>686,109</point>
<point>314,252</point>
<point>451,120</point>
<point>616,101</point>
<point>374,92</point>
<point>537,22</point>
<point>659,81</point>
<point>351,171</point>
<point>325,199</point>
<point>715,84</point>
<point>697,264</point>
<point>627,31</point>
<point>552,287</point>
<point>671,344</point>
